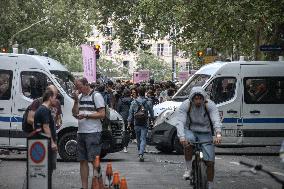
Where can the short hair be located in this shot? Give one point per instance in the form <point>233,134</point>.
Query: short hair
<point>47,94</point>
<point>141,91</point>
<point>84,81</point>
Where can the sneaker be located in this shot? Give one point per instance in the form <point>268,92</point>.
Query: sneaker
<point>134,141</point>
<point>125,150</point>
<point>186,175</point>
<point>141,158</point>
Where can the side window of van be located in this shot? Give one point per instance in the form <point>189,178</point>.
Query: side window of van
<point>222,89</point>
<point>33,84</point>
<point>5,84</point>
<point>264,90</point>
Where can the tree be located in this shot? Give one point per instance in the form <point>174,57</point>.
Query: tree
<point>229,27</point>
<point>159,70</point>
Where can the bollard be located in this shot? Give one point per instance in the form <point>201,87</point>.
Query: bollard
<point>123,183</point>
<point>109,175</point>
<point>115,181</point>
<point>39,162</point>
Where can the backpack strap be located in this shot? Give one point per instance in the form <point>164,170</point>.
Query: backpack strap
<point>207,113</point>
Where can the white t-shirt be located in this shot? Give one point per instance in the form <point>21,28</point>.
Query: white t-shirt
<point>89,106</point>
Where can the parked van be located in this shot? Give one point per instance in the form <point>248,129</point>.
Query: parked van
<point>24,78</point>
<point>250,99</point>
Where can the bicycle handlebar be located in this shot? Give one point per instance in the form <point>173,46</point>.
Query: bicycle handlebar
<point>259,168</point>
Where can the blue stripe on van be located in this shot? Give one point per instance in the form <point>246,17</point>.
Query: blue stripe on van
<point>263,120</point>
<point>254,120</point>
<point>13,119</point>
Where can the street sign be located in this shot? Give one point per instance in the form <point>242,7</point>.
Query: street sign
<point>209,59</point>
<point>271,48</point>
<point>38,168</point>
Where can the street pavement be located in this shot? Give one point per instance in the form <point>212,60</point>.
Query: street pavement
<point>159,171</point>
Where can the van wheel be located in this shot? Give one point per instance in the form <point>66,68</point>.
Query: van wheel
<point>177,145</point>
<point>67,146</point>
<point>103,154</point>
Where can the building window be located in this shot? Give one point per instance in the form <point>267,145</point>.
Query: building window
<point>160,49</point>
<point>109,48</point>
<point>222,89</point>
<point>266,90</point>
<point>108,31</point>
<point>5,84</point>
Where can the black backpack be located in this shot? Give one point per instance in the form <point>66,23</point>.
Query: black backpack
<point>141,116</point>
<point>26,127</point>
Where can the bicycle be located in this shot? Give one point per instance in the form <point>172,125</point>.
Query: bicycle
<point>199,169</point>
<point>259,168</point>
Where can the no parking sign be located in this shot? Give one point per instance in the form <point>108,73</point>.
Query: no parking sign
<point>38,170</point>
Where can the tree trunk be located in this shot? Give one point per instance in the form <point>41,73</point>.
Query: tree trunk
<point>257,43</point>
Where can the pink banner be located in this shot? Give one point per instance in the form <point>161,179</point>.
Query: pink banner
<point>183,76</point>
<point>89,62</point>
<point>135,77</point>
<point>144,75</point>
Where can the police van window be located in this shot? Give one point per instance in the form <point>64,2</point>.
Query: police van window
<point>265,90</point>
<point>34,84</point>
<point>5,84</point>
<point>221,89</point>
<point>197,80</point>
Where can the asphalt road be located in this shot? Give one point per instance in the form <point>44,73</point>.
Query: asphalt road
<point>159,171</point>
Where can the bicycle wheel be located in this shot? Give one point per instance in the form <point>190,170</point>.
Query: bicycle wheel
<point>202,175</point>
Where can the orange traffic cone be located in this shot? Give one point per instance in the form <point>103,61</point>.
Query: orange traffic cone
<point>115,181</point>
<point>109,174</point>
<point>123,183</point>
<point>97,182</point>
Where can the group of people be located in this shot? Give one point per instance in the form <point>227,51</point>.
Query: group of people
<point>197,118</point>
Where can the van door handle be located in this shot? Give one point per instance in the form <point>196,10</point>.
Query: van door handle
<point>255,112</point>
<point>22,109</point>
<point>232,111</point>
<point>1,108</point>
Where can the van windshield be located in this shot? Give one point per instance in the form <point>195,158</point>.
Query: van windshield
<point>197,80</point>
<point>65,79</point>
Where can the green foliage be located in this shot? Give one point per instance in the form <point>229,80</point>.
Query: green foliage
<point>159,70</point>
<point>230,27</point>
<point>66,54</point>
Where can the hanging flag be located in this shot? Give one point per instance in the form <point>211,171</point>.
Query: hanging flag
<point>89,62</point>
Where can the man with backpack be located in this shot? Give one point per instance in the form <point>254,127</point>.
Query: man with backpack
<point>197,118</point>
<point>139,112</point>
<point>44,122</point>
<point>89,109</point>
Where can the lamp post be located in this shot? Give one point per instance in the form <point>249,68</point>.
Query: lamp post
<point>13,36</point>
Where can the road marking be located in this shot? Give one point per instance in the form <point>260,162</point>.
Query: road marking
<point>218,158</point>
<point>277,173</point>
<point>235,163</point>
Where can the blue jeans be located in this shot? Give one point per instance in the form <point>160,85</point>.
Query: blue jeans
<point>141,133</point>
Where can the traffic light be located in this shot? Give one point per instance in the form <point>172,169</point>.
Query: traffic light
<point>200,55</point>
<point>4,50</point>
<point>97,51</point>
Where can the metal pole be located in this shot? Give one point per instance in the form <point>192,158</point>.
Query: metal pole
<point>173,62</point>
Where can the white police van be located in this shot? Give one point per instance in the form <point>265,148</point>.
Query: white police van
<point>24,78</point>
<point>250,99</point>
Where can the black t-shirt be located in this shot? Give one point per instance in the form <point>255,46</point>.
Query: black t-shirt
<point>43,116</point>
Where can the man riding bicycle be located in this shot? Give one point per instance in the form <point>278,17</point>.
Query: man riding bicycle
<point>198,117</point>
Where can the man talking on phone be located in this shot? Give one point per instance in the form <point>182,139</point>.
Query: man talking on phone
<point>89,109</point>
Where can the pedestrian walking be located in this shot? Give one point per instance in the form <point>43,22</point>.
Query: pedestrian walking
<point>89,109</point>
<point>139,113</point>
<point>123,109</point>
